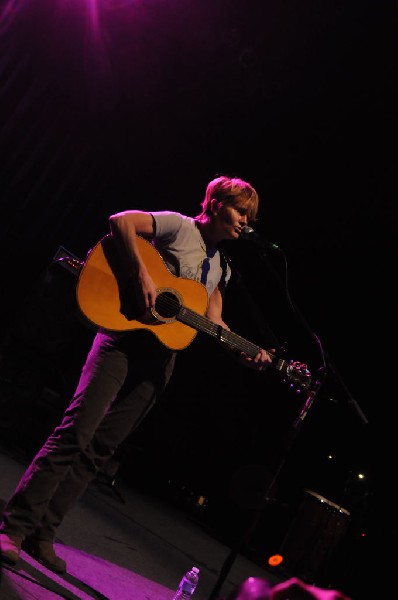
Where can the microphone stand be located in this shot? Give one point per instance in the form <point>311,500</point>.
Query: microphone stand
<point>297,425</point>
<point>235,550</point>
<point>263,247</point>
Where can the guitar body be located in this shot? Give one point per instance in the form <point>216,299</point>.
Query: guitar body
<point>105,295</point>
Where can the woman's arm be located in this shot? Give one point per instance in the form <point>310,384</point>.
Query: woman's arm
<point>124,228</point>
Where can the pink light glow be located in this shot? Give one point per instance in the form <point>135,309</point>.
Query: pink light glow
<point>8,12</point>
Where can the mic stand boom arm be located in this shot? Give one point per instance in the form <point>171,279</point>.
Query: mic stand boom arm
<point>328,364</point>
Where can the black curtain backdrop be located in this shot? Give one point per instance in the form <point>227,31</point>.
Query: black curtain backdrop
<point>113,105</point>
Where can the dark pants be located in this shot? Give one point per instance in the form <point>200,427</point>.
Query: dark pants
<point>120,382</point>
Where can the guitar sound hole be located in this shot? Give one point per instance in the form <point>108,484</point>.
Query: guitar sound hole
<point>167,305</point>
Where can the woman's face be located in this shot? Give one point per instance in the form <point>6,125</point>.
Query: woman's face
<point>230,219</point>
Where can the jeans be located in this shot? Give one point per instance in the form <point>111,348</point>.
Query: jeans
<point>121,380</point>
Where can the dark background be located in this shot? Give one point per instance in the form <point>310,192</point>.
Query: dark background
<point>118,104</point>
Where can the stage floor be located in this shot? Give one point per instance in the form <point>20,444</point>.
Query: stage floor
<point>136,550</point>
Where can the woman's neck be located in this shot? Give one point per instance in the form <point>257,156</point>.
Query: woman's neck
<point>207,232</point>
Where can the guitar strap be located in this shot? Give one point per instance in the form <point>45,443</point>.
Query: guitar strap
<point>224,265</point>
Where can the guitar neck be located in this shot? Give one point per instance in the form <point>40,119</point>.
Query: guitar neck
<point>232,340</point>
<point>203,324</point>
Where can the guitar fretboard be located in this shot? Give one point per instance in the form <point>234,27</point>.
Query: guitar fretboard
<point>237,342</point>
<point>203,324</point>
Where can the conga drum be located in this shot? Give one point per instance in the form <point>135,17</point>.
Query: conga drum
<point>317,528</point>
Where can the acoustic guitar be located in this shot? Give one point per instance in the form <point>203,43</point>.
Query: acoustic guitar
<point>105,297</point>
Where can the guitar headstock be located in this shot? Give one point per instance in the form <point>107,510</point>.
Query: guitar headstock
<point>299,375</point>
<point>295,373</point>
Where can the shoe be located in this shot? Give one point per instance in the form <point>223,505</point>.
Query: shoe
<point>10,548</point>
<point>43,551</point>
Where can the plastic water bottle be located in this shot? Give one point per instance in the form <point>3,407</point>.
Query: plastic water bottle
<point>187,585</point>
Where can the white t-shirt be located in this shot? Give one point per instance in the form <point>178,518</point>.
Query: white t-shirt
<point>180,243</point>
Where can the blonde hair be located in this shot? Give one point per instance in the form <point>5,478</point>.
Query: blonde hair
<point>233,191</point>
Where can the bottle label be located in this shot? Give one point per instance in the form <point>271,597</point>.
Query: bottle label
<point>187,586</point>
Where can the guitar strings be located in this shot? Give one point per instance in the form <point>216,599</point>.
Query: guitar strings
<point>199,322</point>
<point>204,324</point>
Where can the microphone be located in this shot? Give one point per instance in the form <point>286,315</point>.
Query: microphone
<point>249,234</point>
